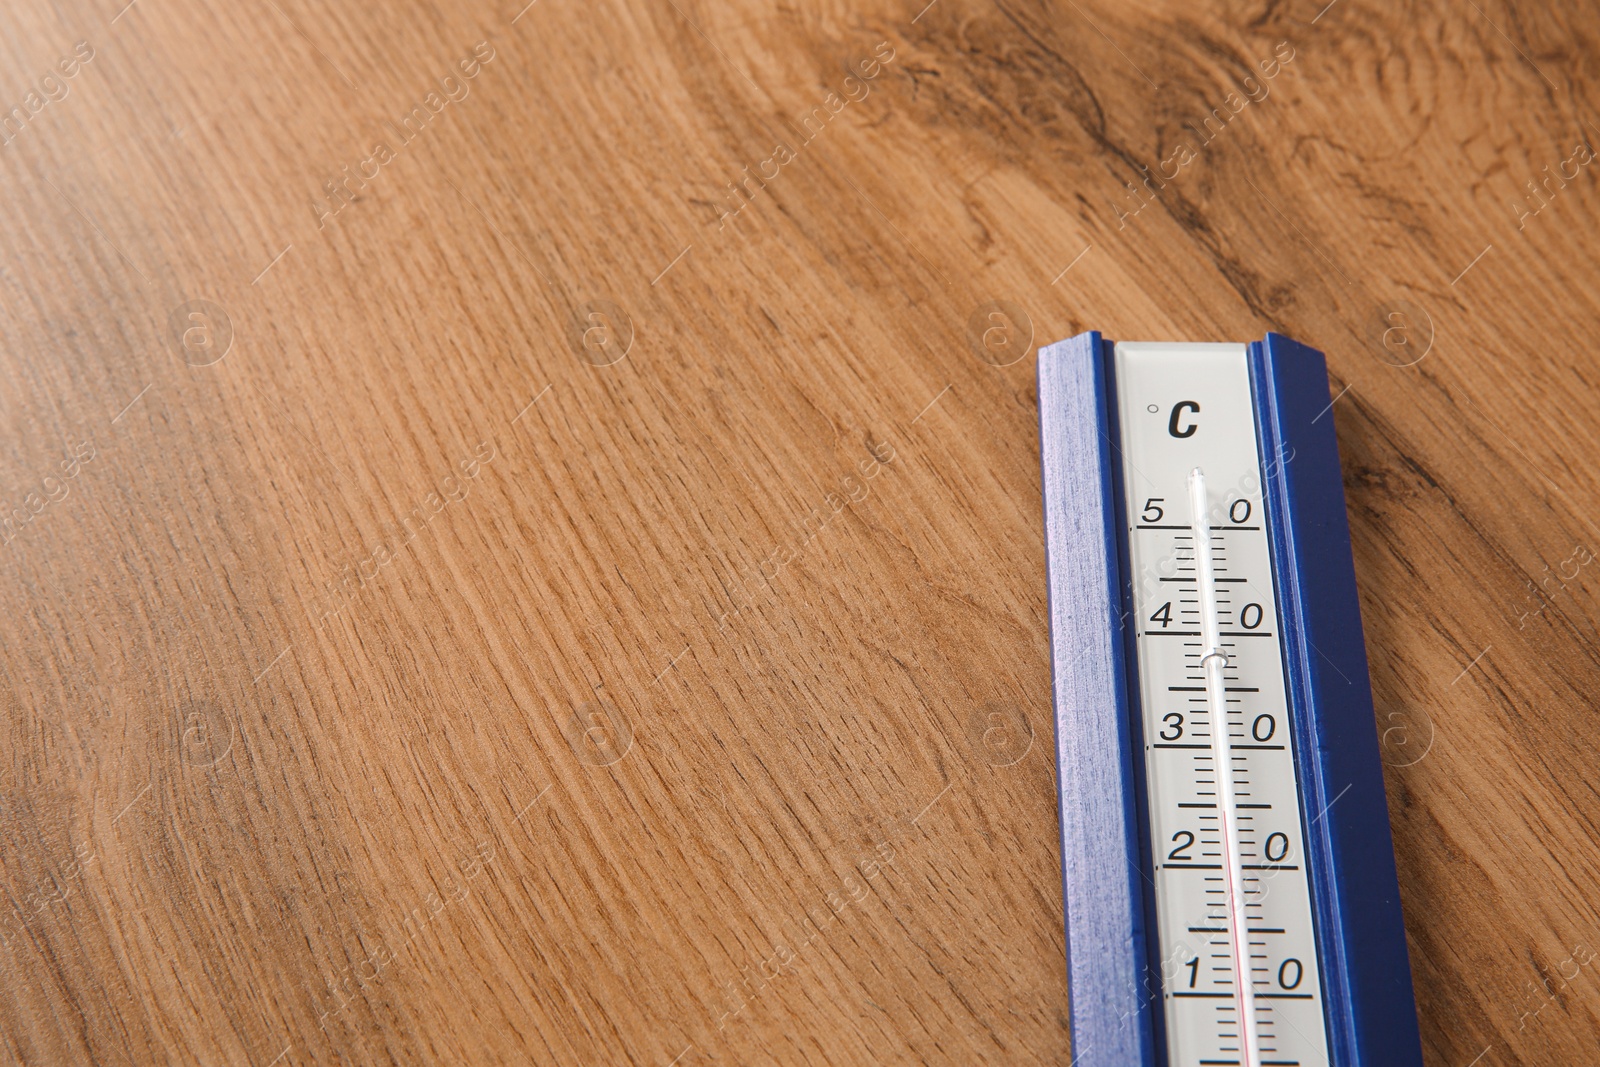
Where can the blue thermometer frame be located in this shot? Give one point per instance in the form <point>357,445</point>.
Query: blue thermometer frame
<point>1113,969</point>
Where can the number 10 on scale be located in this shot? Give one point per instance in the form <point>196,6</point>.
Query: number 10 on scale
<point>1230,892</point>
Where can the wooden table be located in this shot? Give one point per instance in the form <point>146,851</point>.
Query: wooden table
<point>522,534</point>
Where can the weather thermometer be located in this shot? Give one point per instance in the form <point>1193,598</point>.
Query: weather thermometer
<point>1230,885</point>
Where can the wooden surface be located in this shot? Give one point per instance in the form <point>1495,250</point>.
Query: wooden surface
<point>541,602</point>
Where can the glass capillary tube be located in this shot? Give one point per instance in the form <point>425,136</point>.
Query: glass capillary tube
<point>1213,660</point>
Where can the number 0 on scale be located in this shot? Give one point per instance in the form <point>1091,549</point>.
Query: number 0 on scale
<point>1229,877</point>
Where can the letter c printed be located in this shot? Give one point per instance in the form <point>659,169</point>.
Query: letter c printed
<point>1178,411</point>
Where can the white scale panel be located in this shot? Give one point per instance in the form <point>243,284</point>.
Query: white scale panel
<point>1181,407</point>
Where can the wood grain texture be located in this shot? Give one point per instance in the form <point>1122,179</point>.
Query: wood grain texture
<point>552,570</point>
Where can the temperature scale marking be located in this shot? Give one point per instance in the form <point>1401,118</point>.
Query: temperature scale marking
<point>1233,907</point>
